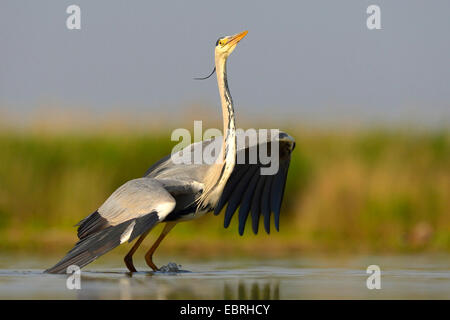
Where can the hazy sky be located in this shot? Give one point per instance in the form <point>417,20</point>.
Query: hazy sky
<point>306,58</point>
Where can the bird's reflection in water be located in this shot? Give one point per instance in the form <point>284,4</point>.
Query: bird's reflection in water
<point>143,285</point>
<point>125,288</point>
<point>252,290</point>
<point>137,286</point>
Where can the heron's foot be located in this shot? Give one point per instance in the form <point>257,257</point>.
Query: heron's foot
<point>129,263</point>
<point>149,260</point>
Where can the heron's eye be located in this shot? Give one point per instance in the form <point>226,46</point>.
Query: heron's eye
<point>220,41</point>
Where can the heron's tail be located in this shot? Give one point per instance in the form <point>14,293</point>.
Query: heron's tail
<point>93,246</point>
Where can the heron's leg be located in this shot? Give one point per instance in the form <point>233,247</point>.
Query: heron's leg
<point>149,254</point>
<point>129,257</point>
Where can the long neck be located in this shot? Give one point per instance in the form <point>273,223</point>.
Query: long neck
<point>218,174</point>
<point>229,127</point>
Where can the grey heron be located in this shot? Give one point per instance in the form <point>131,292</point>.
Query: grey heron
<point>170,193</point>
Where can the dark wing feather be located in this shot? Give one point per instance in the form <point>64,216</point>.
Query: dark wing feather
<point>256,203</point>
<point>246,203</point>
<point>91,224</point>
<point>236,175</point>
<point>256,193</point>
<point>237,194</point>
<point>278,186</point>
<point>265,202</point>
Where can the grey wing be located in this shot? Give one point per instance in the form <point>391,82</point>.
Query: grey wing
<point>182,164</point>
<point>253,192</point>
<point>134,208</point>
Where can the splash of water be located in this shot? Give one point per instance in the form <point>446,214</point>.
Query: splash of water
<point>170,267</point>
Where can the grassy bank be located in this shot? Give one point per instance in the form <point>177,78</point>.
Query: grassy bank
<point>375,190</point>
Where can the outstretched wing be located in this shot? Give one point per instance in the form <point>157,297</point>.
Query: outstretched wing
<point>254,192</point>
<point>134,199</point>
<point>131,210</point>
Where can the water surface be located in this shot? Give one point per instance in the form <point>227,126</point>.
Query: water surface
<point>319,277</point>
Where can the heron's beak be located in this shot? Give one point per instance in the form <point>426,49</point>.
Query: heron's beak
<point>236,38</point>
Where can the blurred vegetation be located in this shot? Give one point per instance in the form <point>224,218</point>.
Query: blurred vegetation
<point>372,190</point>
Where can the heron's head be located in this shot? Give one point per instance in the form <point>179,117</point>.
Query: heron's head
<point>226,45</point>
